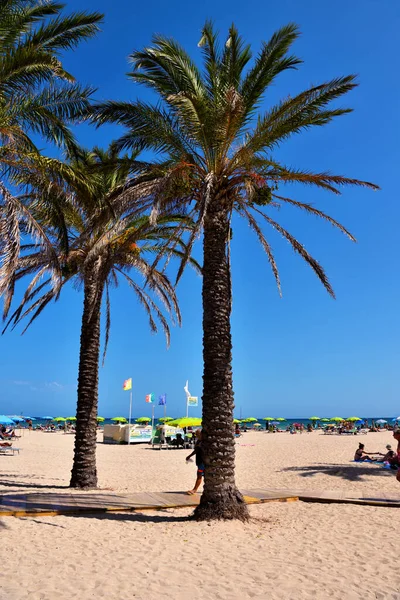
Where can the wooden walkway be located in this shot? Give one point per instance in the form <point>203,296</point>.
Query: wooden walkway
<point>52,504</point>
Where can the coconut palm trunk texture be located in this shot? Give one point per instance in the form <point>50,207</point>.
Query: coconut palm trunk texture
<point>220,498</point>
<point>84,471</point>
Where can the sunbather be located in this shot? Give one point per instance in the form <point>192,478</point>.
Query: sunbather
<point>390,454</point>
<point>396,435</point>
<point>361,455</point>
<point>5,444</point>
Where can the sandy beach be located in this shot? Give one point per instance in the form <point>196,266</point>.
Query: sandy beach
<point>292,550</point>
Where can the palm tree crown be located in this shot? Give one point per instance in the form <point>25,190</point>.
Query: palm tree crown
<point>79,221</point>
<point>211,138</point>
<point>37,95</point>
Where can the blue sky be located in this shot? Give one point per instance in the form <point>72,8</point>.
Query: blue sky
<point>296,356</point>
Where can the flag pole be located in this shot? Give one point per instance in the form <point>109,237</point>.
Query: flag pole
<point>152,418</point>
<point>130,416</point>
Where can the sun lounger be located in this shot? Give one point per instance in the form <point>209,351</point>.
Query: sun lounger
<point>8,450</point>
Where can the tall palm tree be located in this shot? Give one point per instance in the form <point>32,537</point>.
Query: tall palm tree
<point>216,155</point>
<point>37,95</point>
<point>87,228</point>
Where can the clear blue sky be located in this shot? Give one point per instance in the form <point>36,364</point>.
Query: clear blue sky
<point>296,356</point>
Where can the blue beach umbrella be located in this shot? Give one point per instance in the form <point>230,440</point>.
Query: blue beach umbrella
<point>16,418</point>
<point>6,420</point>
<point>46,418</point>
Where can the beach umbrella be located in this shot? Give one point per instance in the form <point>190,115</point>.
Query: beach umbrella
<point>257,425</point>
<point>251,420</point>
<point>59,419</point>
<point>165,419</point>
<point>100,419</point>
<point>143,420</point>
<point>268,419</point>
<point>337,419</point>
<point>119,419</point>
<point>16,418</point>
<point>314,419</point>
<point>185,422</point>
<point>280,419</point>
<point>325,420</point>
<point>6,420</point>
<point>70,419</point>
<point>46,418</point>
<point>276,422</point>
<point>396,419</point>
<point>381,421</point>
<point>236,421</point>
<point>353,419</point>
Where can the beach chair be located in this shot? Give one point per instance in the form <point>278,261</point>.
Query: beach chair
<point>10,450</point>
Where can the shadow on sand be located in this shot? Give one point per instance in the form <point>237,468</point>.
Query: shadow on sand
<point>354,472</point>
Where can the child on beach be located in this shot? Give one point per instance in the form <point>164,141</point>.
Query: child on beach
<point>198,451</point>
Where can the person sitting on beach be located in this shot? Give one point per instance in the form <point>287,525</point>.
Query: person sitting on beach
<point>7,434</point>
<point>396,435</point>
<point>361,455</point>
<point>390,454</point>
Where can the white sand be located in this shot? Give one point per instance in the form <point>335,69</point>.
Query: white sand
<point>287,551</point>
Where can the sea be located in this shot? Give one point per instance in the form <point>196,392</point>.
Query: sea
<point>37,421</point>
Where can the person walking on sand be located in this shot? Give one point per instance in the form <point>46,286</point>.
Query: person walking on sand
<point>396,435</point>
<point>198,451</point>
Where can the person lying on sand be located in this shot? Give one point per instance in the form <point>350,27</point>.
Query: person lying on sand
<point>198,451</point>
<point>361,455</point>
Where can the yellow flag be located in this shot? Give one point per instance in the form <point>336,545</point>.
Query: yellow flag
<point>127,384</point>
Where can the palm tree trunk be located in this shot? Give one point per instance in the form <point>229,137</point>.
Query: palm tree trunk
<point>220,499</point>
<point>84,472</point>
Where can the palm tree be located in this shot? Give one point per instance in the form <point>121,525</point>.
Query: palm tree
<point>88,228</point>
<point>37,95</point>
<point>215,149</point>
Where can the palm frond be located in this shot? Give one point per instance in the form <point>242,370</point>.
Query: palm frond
<point>318,213</point>
<point>272,60</point>
<point>299,249</point>
<point>264,243</point>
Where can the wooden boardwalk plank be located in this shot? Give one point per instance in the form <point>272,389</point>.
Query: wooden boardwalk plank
<point>57,503</point>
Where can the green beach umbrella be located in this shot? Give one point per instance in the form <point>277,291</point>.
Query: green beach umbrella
<point>119,419</point>
<point>280,419</point>
<point>59,419</point>
<point>143,420</point>
<point>268,419</point>
<point>314,419</point>
<point>353,419</point>
<point>325,420</point>
<point>337,419</point>
<point>250,420</point>
<point>70,419</point>
<point>100,419</point>
<point>236,421</point>
<point>165,419</point>
<point>185,422</point>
